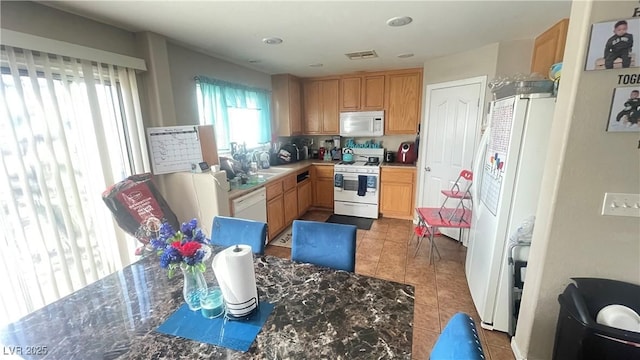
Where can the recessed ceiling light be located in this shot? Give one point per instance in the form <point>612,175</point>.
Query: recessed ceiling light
<point>399,21</point>
<point>272,40</point>
<point>254,61</point>
<point>316,65</point>
<point>405,55</point>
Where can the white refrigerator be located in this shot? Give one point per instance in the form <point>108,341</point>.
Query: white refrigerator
<point>508,170</point>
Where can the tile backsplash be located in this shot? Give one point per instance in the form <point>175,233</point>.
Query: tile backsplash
<point>389,142</point>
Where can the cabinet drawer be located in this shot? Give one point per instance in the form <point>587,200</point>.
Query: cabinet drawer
<point>395,175</point>
<point>289,182</point>
<point>324,171</point>
<point>274,189</point>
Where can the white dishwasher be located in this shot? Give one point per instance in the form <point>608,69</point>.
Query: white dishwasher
<point>252,206</point>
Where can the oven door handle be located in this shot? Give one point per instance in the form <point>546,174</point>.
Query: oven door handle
<point>351,176</point>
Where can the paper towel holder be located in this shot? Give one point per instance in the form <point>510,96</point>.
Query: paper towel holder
<point>253,304</point>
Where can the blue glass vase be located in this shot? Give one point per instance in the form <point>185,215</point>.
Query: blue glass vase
<point>194,286</point>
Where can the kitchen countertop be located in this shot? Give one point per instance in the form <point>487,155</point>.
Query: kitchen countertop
<point>293,168</point>
<point>318,313</point>
<point>400,165</point>
<point>297,166</point>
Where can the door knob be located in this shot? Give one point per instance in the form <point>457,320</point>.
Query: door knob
<point>427,169</point>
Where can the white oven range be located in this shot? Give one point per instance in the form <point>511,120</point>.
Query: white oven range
<point>357,184</point>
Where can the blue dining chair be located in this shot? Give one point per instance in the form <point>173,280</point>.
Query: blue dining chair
<point>227,231</point>
<point>325,244</point>
<point>458,340</point>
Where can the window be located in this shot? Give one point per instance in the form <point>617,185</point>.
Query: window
<point>238,114</point>
<point>69,128</point>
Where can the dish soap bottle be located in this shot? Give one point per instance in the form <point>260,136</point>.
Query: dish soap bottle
<point>327,156</point>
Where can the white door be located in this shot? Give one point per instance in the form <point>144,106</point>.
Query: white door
<point>453,119</point>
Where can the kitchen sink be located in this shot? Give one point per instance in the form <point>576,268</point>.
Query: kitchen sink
<point>265,176</point>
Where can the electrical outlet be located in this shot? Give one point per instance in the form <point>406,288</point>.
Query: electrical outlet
<point>621,204</point>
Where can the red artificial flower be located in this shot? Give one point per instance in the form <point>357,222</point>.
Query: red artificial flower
<point>189,248</point>
<point>176,244</point>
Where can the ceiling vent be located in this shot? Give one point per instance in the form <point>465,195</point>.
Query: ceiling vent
<point>360,55</point>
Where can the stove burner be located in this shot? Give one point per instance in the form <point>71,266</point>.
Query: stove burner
<point>371,163</point>
<point>346,163</point>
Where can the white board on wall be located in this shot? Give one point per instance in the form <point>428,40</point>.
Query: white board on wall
<point>174,148</point>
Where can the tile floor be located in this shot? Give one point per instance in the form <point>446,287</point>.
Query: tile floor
<point>386,251</point>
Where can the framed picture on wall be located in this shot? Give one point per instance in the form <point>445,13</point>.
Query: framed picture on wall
<point>614,45</point>
<point>625,110</point>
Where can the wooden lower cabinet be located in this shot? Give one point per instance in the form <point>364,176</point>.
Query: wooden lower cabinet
<point>323,186</point>
<point>304,197</point>
<point>323,192</point>
<point>275,216</point>
<point>397,192</point>
<point>290,206</point>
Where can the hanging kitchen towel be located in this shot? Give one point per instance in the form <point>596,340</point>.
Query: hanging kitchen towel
<point>338,181</point>
<point>371,183</point>
<point>362,185</point>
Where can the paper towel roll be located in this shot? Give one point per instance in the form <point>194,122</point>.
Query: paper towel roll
<point>234,270</point>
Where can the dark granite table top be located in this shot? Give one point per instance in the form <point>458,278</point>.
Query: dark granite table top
<point>319,314</point>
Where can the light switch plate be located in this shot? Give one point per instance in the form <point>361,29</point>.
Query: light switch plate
<point>621,204</point>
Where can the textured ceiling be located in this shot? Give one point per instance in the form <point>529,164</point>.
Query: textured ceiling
<point>323,31</point>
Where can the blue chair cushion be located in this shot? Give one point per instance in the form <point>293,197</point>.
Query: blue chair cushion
<point>325,244</point>
<point>458,340</point>
<point>228,231</point>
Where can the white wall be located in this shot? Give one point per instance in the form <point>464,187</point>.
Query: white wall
<point>184,64</point>
<point>571,238</point>
<point>36,19</point>
<point>471,63</point>
<point>514,57</point>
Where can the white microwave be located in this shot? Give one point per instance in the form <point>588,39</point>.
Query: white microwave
<point>362,123</point>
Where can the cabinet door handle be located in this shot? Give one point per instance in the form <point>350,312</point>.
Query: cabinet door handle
<point>427,169</point>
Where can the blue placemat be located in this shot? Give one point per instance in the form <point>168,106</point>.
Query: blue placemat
<point>232,334</point>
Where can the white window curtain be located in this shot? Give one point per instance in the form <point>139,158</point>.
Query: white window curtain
<point>69,128</point>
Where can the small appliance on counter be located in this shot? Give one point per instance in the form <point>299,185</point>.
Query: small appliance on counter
<point>389,156</point>
<point>321,152</point>
<point>287,154</point>
<point>336,154</point>
<point>347,155</point>
<point>407,152</point>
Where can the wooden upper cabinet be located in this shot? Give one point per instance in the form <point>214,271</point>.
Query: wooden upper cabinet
<point>330,108</point>
<point>403,95</point>
<point>373,92</point>
<point>548,48</point>
<point>295,106</point>
<point>312,109</point>
<point>350,93</point>
<point>286,99</point>
<point>397,92</point>
<point>362,93</point>
<point>321,106</point>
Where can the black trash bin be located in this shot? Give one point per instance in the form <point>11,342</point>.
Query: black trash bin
<point>578,336</point>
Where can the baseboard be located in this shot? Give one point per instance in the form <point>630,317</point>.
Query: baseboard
<point>394,216</point>
<point>516,351</point>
